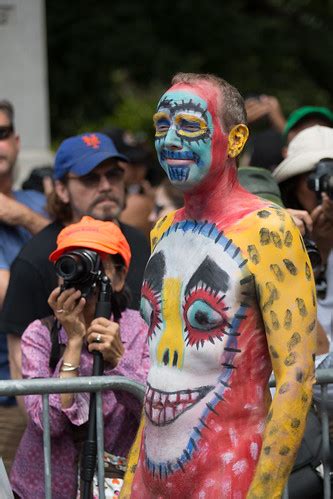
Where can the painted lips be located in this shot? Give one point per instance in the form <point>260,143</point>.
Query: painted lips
<point>179,156</point>
<point>162,408</point>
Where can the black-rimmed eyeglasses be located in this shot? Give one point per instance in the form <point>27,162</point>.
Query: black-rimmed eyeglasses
<point>93,179</point>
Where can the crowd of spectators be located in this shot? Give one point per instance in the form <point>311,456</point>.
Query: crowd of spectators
<point>111,176</point>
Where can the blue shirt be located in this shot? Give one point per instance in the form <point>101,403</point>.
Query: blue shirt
<point>12,238</point>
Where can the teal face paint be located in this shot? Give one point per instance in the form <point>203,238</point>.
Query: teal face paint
<point>183,137</point>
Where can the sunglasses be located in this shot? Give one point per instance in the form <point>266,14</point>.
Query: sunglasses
<point>93,179</point>
<point>6,131</point>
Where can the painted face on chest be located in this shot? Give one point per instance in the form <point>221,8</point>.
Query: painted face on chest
<point>192,301</point>
<point>187,134</point>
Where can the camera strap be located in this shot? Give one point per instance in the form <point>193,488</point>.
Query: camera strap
<point>57,349</point>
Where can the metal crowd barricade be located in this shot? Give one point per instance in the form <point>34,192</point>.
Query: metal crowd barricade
<point>97,384</point>
<point>46,386</point>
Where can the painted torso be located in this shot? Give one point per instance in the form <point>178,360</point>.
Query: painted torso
<point>207,394</point>
<point>228,296</point>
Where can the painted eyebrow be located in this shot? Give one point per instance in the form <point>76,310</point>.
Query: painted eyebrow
<point>189,117</point>
<point>189,105</point>
<point>160,115</point>
<point>155,271</point>
<point>210,274</point>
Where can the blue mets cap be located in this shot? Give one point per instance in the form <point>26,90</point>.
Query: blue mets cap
<point>82,153</point>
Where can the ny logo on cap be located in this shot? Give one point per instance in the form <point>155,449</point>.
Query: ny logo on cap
<point>91,141</point>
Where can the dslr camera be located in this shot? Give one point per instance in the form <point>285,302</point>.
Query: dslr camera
<point>80,269</point>
<point>321,179</point>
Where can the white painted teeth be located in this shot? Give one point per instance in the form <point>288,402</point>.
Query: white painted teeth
<point>169,414</point>
<point>173,397</point>
<point>163,407</point>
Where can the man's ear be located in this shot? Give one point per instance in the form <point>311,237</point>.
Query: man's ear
<point>237,139</point>
<point>61,191</point>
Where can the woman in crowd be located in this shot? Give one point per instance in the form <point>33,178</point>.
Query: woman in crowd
<point>167,198</point>
<point>122,342</point>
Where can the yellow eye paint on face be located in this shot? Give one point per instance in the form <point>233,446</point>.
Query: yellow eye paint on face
<point>162,124</point>
<point>189,125</point>
<point>170,350</point>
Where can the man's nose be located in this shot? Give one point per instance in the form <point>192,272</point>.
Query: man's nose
<point>172,140</point>
<point>104,183</point>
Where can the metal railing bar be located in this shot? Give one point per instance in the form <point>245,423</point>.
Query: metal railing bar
<point>47,446</point>
<point>46,386</point>
<point>100,444</point>
<point>82,384</point>
<point>326,442</point>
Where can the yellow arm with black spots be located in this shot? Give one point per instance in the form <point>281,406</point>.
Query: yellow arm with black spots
<point>286,295</point>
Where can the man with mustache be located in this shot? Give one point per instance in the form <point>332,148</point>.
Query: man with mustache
<point>228,295</point>
<point>89,180</point>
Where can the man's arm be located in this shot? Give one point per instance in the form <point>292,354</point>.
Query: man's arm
<point>15,362</point>
<point>14,213</point>
<point>286,294</point>
<point>4,280</point>
<point>14,355</point>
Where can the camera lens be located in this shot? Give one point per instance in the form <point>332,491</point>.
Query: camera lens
<point>70,267</point>
<point>79,268</point>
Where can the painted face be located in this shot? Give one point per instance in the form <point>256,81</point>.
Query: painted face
<point>186,129</point>
<point>304,195</point>
<point>193,312</point>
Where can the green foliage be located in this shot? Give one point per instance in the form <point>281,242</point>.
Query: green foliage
<point>110,61</point>
<point>133,108</point>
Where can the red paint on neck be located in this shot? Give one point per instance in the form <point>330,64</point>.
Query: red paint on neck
<point>218,198</point>
<point>223,202</point>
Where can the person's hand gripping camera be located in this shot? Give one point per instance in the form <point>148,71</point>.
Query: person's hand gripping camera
<point>320,181</point>
<point>76,314</point>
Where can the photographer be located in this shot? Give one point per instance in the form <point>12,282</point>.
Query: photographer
<point>298,177</point>
<point>65,352</point>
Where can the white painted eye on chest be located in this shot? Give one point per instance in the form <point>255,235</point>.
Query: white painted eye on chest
<point>202,316</point>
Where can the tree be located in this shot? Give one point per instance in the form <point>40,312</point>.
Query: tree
<point>108,61</point>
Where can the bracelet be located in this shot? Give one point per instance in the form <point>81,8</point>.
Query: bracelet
<point>68,367</point>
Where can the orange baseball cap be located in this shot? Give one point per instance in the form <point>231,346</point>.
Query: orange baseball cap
<point>103,237</point>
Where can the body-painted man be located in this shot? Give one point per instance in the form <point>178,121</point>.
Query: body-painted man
<point>228,295</point>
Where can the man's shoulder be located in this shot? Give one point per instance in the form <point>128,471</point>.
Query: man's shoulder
<point>23,195</point>
<point>33,199</point>
<point>272,216</point>
<point>133,235</point>
<point>268,236</point>
<point>42,242</point>
<point>161,226</point>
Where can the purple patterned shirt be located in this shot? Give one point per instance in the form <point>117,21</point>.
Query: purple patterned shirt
<point>121,410</point>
